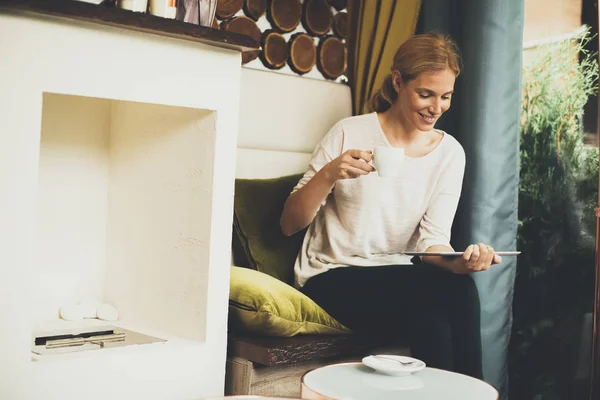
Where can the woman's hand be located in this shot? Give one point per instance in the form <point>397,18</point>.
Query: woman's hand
<point>301,206</point>
<point>349,165</point>
<point>477,257</point>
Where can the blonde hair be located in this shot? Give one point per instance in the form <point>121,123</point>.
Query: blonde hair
<point>428,52</point>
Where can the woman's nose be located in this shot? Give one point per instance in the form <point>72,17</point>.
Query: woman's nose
<point>436,108</point>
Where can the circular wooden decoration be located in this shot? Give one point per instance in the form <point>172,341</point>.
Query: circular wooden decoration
<point>215,23</point>
<point>245,26</point>
<point>255,8</point>
<point>316,17</point>
<point>332,57</point>
<point>284,15</point>
<point>275,50</point>
<point>338,4</point>
<point>303,53</point>
<point>340,25</point>
<point>228,8</point>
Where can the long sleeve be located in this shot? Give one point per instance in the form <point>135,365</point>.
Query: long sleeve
<point>329,148</point>
<point>436,224</point>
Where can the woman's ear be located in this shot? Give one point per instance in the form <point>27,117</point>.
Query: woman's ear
<point>397,80</point>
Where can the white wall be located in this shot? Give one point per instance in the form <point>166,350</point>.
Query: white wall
<point>160,186</point>
<point>72,209</point>
<point>282,119</point>
<point>124,211</point>
<point>57,56</point>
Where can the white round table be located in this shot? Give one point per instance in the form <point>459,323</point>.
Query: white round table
<point>250,397</point>
<point>355,381</point>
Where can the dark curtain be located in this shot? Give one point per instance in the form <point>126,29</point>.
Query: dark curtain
<point>484,117</point>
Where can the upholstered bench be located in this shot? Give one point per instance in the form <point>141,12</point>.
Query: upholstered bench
<point>276,333</point>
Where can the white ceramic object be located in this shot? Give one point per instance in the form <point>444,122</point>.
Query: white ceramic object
<point>163,8</point>
<point>106,312</point>
<point>71,312</point>
<point>89,308</point>
<point>251,397</point>
<point>388,160</point>
<point>392,365</point>
<point>133,5</point>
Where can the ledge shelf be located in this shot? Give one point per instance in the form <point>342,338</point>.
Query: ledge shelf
<point>125,19</point>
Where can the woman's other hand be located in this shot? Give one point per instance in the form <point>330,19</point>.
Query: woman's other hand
<point>349,165</point>
<point>477,257</point>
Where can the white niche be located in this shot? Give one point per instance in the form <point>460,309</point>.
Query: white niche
<point>123,211</point>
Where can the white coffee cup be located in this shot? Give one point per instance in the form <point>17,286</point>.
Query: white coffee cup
<point>388,160</point>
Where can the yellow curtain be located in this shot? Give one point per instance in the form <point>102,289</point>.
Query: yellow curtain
<point>377,29</point>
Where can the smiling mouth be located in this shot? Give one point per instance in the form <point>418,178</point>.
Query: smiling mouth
<point>428,119</point>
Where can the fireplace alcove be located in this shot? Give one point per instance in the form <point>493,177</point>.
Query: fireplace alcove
<point>117,167</point>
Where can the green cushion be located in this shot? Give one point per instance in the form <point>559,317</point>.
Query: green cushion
<point>259,303</point>
<point>258,205</point>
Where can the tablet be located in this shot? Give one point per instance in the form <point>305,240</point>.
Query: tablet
<point>457,253</point>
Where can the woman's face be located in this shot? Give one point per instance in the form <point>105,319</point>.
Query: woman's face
<point>424,99</point>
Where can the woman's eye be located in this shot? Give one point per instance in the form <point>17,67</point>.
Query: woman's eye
<point>426,96</point>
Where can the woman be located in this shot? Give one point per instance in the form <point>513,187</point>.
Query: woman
<point>352,262</point>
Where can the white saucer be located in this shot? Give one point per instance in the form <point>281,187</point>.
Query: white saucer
<point>390,367</point>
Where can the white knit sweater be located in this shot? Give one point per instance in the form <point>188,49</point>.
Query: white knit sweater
<point>370,220</point>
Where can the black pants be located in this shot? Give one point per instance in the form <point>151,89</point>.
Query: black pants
<point>437,310</point>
